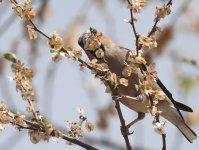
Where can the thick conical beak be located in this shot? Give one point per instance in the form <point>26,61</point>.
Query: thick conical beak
<point>80,42</point>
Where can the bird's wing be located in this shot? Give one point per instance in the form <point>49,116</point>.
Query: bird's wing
<point>179,106</point>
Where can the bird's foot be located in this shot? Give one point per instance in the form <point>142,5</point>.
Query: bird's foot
<point>125,131</point>
<point>117,97</point>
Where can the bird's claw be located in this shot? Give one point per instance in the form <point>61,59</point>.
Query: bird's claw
<point>117,97</point>
<point>125,131</point>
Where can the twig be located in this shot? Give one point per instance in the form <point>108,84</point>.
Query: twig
<point>163,134</point>
<point>164,141</point>
<point>169,3</point>
<point>35,126</point>
<point>33,109</point>
<point>106,142</point>
<point>138,47</point>
<point>80,143</point>
<point>153,30</point>
<point>39,31</point>
<point>123,125</point>
<point>133,26</point>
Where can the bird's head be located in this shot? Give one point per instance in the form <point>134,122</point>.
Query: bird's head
<point>93,43</point>
<point>83,39</point>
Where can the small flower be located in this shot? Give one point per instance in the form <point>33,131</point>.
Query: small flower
<point>75,129</point>
<point>89,126</point>
<point>77,54</point>
<point>151,71</point>
<point>35,136</point>
<point>154,110</point>
<point>112,77</point>
<point>133,20</point>
<point>93,42</point>
<point>56,57</point>
<point>55,42</point>
<point>19,119</point>
<point>126,72</point>
<point>1,127</point>
<point>18,10</point>
<point>124,82</point>
<point>23,77</point>
<point>159,95</point>
<point>29,108</point>
<point>162,12</point>
<point>80,110</point>
<point>58,134</point>
<point>147,42</point>
<point>28,12</point>
<point>31,32</point>
<point>140,60</point>
<point>99,53</point>
<point>5,116</point>
<point>137,5</point>
<point>159,29</point>
<point>159,127</point>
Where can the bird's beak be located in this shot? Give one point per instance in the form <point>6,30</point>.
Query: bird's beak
<point>80,42</point>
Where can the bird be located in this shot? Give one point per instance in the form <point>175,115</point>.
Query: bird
<point>115,56</point>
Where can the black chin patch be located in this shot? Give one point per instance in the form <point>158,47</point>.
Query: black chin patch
<point>80,42</point>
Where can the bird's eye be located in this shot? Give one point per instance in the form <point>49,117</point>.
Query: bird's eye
<point>93,31</point>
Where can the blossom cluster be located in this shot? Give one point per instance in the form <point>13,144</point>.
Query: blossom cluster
<point>31,32</point>
<point>101,70</point>
<point>56,45</point>
<point>38,126</point>
<point>26,11</point>
<point>147,42</point>
<point>162,12</point>
<point>75,129</point>
<point>23,77</point>
<point>137,5</point>
<point>6,116</point>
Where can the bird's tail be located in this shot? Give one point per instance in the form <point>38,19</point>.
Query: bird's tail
<point>189,134</point>
<point>172,116</point>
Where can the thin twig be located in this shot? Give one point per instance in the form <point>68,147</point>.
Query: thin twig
<point>164,141</point>
<point>123,125</point>
<point>33,109</point>
<point>35,126</point>
<point>153,30</point>
<point>39,31</point>
<point>169,3</point>
<point>163,134</point>
<point>133,26</point>
<point>80,143</point>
